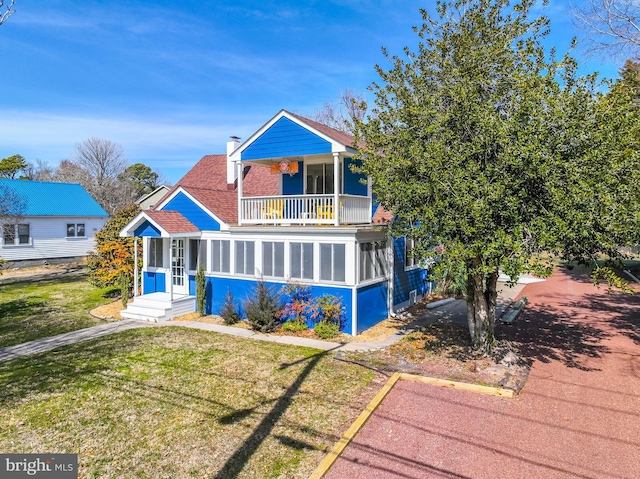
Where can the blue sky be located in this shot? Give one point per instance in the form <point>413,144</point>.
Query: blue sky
<point>171,81</point>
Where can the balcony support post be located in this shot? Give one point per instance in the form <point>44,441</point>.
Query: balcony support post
<point>336,188</point>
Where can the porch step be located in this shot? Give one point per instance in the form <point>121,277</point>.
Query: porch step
<point>157,307</point>
<point>141,316</point>
<point>146,312</point>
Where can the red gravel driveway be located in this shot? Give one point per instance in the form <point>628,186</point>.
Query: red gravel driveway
<point>578,416</point>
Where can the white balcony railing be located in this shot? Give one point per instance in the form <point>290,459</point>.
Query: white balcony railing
<point>304,210</point>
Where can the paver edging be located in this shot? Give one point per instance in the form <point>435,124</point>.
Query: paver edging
<point>364,416</point>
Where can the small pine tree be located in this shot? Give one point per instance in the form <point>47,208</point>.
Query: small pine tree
<point>229,311</point>
<point>201,290</point>
<point>262,309</point>
<point>125,288</point>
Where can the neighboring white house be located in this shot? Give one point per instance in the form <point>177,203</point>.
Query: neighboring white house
<point>57,222</point>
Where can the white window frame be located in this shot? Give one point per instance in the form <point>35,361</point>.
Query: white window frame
<point>248,269</point>
<point>16,235</point>
<point>75,230</point>
<point>410,261</point>
<point>300,259</point>
<point>152,253</point>
<point>217,252</point>
<point>272,252</point>
<point>331,259</point>
<point>376,257</point>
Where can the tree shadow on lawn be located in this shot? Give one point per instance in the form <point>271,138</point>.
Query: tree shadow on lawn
<point>572,331</point>
<point>234,465</point>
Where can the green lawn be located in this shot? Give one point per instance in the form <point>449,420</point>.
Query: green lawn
<point>173,402</point>
<point>37,309</point>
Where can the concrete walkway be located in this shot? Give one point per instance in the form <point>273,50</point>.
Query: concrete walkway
<point>46,344</point>
<point>454,311</point>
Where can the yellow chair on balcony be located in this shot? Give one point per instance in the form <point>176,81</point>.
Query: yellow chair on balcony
<point>325,213</point>
<point>273,210</point>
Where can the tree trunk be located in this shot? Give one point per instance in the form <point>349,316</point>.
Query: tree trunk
<point>481,308</point>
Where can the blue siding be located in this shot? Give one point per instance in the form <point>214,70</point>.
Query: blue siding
<point>192,285</point>
<point>352,184</point>
<point>147,229</point>
<point>405,281</point>
<point>285,138</point>
<point>242,288</point>
<point>294,184</point>
<point>201,219</point>
<point>154,283</point>
<point>372,305</point>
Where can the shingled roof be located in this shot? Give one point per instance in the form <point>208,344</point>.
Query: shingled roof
<point>207,183</point>
<point>172,222</point>
<point>332,133</point>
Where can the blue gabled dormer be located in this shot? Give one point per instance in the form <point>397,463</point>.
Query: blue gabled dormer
<point>317,184</point>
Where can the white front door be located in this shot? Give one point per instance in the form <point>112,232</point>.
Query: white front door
<point>180,284</point>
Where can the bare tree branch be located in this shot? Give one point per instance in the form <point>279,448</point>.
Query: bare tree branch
<point>341,114</point>
<point>6,12</point>
<point>612,26</point>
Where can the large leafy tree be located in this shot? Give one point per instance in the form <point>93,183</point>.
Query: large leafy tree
<point>142,178</point>
<point>481,144</point>
<point>113,255</point>
<point>12,165</point>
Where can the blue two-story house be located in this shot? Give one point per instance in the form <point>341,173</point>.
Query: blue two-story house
<point>283,206</point>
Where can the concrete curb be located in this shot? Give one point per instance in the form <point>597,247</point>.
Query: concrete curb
<point>514,312</point>
<point>442,302</point>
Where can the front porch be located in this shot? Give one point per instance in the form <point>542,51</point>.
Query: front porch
<point>158,307</point>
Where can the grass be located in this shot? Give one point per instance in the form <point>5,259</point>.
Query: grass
<point>175,402</point>
<point>31,310</point>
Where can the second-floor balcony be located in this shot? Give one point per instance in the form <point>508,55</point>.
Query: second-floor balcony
<point>305,210</point>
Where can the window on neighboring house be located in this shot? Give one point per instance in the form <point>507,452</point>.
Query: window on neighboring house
<point>301,260</point>
<point>245,257</point>
<point>220,256</point>
<point>320,179</point>
<point>156,253</point>
<point>332,262</point>
<point>75,230</point>
<point>409,258</point>
<point>273,259</point>
<point>15,234</point>
<point>197,254</point>
<point>372,260</point>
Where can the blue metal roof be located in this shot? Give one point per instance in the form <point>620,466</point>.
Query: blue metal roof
<point>54,199</point>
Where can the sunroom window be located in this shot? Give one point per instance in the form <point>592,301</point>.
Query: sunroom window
<point>332,262</point>
<point>301,260</point>
<point>156,253</point>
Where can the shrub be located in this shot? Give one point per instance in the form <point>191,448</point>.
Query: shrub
<point>229,311</point>
<point>201,290</point>
<point>294,326</point>
<point>262,309</point>
<point>298,304</point>
<point>327,329</point>
<point>330,309</point>
<point>125,288</point>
